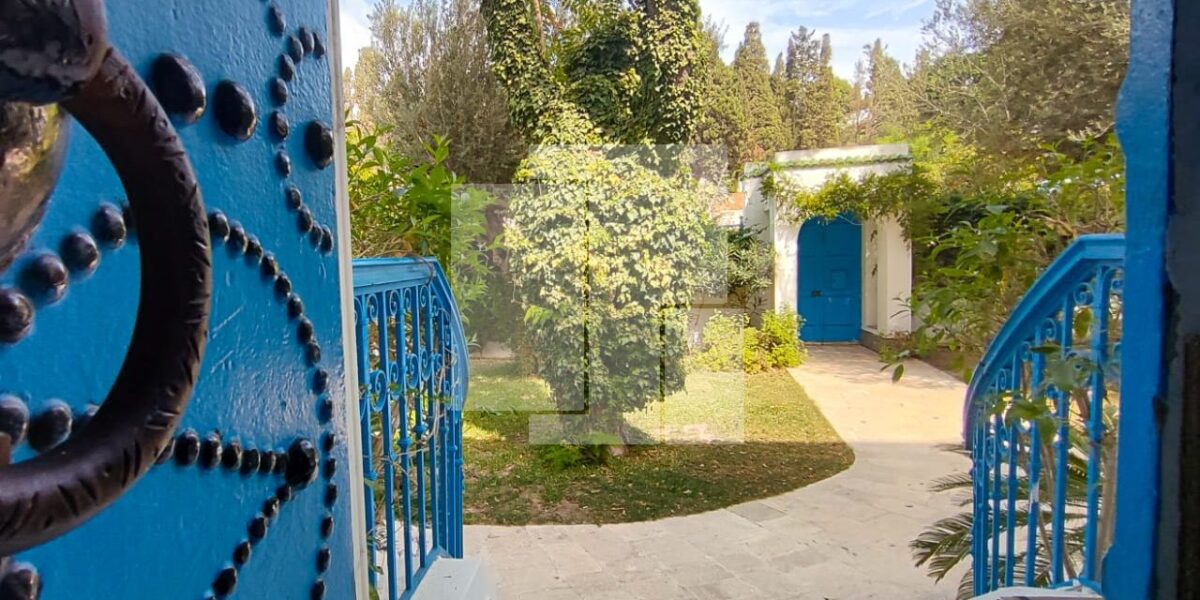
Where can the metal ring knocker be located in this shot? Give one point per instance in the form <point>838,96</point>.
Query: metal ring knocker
<point>57,51</point>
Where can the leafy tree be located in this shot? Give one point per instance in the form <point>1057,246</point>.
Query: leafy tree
<point>1015,75</point>
<point>405,207</point>
<point>605,238</point>
<point>427,73</point>
<point>765,132</point>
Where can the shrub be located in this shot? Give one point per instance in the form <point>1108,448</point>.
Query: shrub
<point>775,346</point>
<point>721,343</point>
<point>729,344</point>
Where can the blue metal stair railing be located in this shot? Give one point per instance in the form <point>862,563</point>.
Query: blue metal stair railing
<point>1040,422</point>
<point>412,375</point>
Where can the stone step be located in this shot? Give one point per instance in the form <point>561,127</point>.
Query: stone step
<point>457,579</point>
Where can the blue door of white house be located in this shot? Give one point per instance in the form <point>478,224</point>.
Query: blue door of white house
<point>171,358</point>
<point>830,280</point>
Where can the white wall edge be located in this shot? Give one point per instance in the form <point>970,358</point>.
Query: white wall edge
<point>349,413</point>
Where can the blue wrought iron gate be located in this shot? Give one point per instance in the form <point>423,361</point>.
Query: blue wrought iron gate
<point>245,491</point>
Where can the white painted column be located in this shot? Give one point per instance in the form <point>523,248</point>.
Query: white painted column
<point>786,267</point>
<point>894,278</point>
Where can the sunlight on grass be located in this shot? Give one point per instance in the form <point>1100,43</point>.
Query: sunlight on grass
<point>744,437</point>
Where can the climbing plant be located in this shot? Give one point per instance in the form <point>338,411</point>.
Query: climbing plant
<point>607,230</point>
<point>871,196</point>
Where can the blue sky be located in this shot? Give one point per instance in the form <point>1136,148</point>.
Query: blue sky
<point>851,23</point>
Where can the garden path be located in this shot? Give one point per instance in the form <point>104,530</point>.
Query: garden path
<point>842,538</point>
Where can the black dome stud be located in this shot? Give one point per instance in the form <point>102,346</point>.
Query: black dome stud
<point>16,316</point>
<point>306,39</point>
<point>270,266</point>
<point>326,240</point>
<point>331,495</point>
<point>279,91</point>
<point>327,526</point>
<point>187,448</point>
<point>45,277</point>
<point>318,140</point>
<point>326,411</point>
<point>283,285</point>
<point>268,462</point>
<point>283,163</point>
<point>301,463</point>
<point>179,87</point>
<point>251,458</point>
<point>225,582</point>
<point>315,236</point>
<point>20,582</point>
<point>295,48</point>
<point>304,330</point>
<point>284,493</point>
<point>318,590</point>
<point>295,199</point>
<point>287,68</point>
<point>304,219</point>
<point>231,458</point>
<point>329,442</point>
<point>210,451</point>
<point>237,239</point>
<point>279,125</point>
<point>324,556</point>
<point>254,248</point>
<point>321,381</point>
<point>281,463</point>
<point>275,19</point>
<point>50,427</point>
<point>218,224</point>
<point>271,508</point>
<point>295,306</point>
<point>241,554</point>
<point>312,351</point>
<point>235,110</point>
<point>258,528</point>
<point>109,226</point>
<point>330,468</point>
<point>80,252</point>
<point>318,46</point>
<point>14,418</point>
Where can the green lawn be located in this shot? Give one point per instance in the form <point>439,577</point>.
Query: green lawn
<point>731,438</point>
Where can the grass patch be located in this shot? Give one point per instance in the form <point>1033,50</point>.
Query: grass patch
<point>734,439</point>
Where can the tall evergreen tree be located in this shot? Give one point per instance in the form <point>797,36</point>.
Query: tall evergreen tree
<point>888,103</point>
<point>766,132</point>
<point>814,97</point>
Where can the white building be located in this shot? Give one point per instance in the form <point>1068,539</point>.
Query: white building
<point>849,280</point>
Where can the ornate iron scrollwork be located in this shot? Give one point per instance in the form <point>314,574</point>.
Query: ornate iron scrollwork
<point>56,51</point>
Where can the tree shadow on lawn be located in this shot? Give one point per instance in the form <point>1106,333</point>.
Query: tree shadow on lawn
<point>779,442</point>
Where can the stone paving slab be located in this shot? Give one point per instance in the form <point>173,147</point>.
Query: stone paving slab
<point>844,538</point>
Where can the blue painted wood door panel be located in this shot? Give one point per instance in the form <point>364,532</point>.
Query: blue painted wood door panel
<point>264,387</point>
<point>830,280</point>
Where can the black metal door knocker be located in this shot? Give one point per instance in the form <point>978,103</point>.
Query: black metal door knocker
<point>54,54</point>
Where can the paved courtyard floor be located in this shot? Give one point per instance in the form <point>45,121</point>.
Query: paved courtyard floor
<point>842,538</point>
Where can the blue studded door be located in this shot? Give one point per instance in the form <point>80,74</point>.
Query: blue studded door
<point>184,265</point>
<point>830,280</point>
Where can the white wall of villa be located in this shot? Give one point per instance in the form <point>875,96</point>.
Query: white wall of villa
<point>886,254</point>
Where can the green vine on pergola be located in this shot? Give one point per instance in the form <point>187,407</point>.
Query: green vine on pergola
<point>872,196</point>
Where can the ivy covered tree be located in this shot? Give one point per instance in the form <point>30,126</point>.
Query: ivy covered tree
<point>606,234</point>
